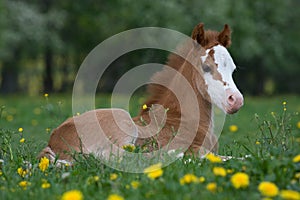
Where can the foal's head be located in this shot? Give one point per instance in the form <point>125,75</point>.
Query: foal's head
<point>218,76</point>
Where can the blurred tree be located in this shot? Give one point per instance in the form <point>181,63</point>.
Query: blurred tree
<point>61,33</point>
<point>21,32</point>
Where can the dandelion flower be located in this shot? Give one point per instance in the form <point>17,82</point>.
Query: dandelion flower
<point>233,128</point>
<point>290,195</point>
<point>1,173</point>
<point>24,184</point>
<point>113,176</point>
<point>188,178</point>
<point>135,184</point>
<point>145,107</point>
<point>213,158</point>
<point>219,171</point>
<point>46,185</point>
<point>44,164</point>
<point>296,158</point>
<point>298,124</point>
<point>115,197</point>
<point>22,140</point>
<point>46,95</point>
<point>240,180</point>
<point>257,143</point>
<point>72,195</point>
<point>22,172</point>
<point>154,171</point>
<point>96,178</point>
<point>201,179</point>
<point>212,187</point>
<point>129,147</point>
<point>20,130</point>
<point>268,189</point>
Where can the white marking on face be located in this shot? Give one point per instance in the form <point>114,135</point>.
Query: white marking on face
<point>225,67</point>
<point>221,90</point>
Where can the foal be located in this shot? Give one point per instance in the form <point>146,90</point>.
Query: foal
<point>179,111</point>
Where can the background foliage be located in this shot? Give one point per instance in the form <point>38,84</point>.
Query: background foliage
<point>42,43</point>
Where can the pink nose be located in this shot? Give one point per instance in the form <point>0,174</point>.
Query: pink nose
<point>235,101</point>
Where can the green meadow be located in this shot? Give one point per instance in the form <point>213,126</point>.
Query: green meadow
<point>267,129</point>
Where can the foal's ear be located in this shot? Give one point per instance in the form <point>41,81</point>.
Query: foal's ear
<point>199,35</point>
<point>225,36</point>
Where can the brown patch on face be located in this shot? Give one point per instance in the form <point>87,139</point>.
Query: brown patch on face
<point>210,61</point>
<point>211,53</point>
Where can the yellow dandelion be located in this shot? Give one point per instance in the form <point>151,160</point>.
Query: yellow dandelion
<point>219,171</point>
<point>24,184</point>
<point>298,124</point>
<point>268,189</point>
<point>72,195</point>
<point>129,147</point>
<point>46,95</point>
<point>48,130</point>
<point>1,173</point>
<point>115,197</point>
<point>284,103</point>
<point>257,143</point>
<point>240,180</point>
<point>213,158</point>
<point>45,185</point>
<point>201,179</point>
<point>145,107</point>
<point>229,171</point>
<point>135,184</point>
<point>273,114</point>
<point>22,172</point>
<point>233,128</point>
<point>20,130</point>
<point>296,158</point>
<point>212,187</point>
<point>113,176</point>
<point>22,140</point>
<point>290,194</point>
<point>44,164</point>
<point>96,178</point>
<point>154,171</point>
<point>188,178</point>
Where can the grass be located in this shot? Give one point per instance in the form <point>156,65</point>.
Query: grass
<point>266,131</point>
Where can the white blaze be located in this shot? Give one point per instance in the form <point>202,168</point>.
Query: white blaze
<point>225,66</point>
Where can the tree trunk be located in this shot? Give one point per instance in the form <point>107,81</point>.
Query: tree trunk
<point>48,75</point>
<point>9,74</point>
<point>9,83</point>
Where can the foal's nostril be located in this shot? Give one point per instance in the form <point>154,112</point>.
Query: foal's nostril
<point>231,99</point>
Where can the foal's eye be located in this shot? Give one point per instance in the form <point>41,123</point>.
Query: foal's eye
<point>206,68</point>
